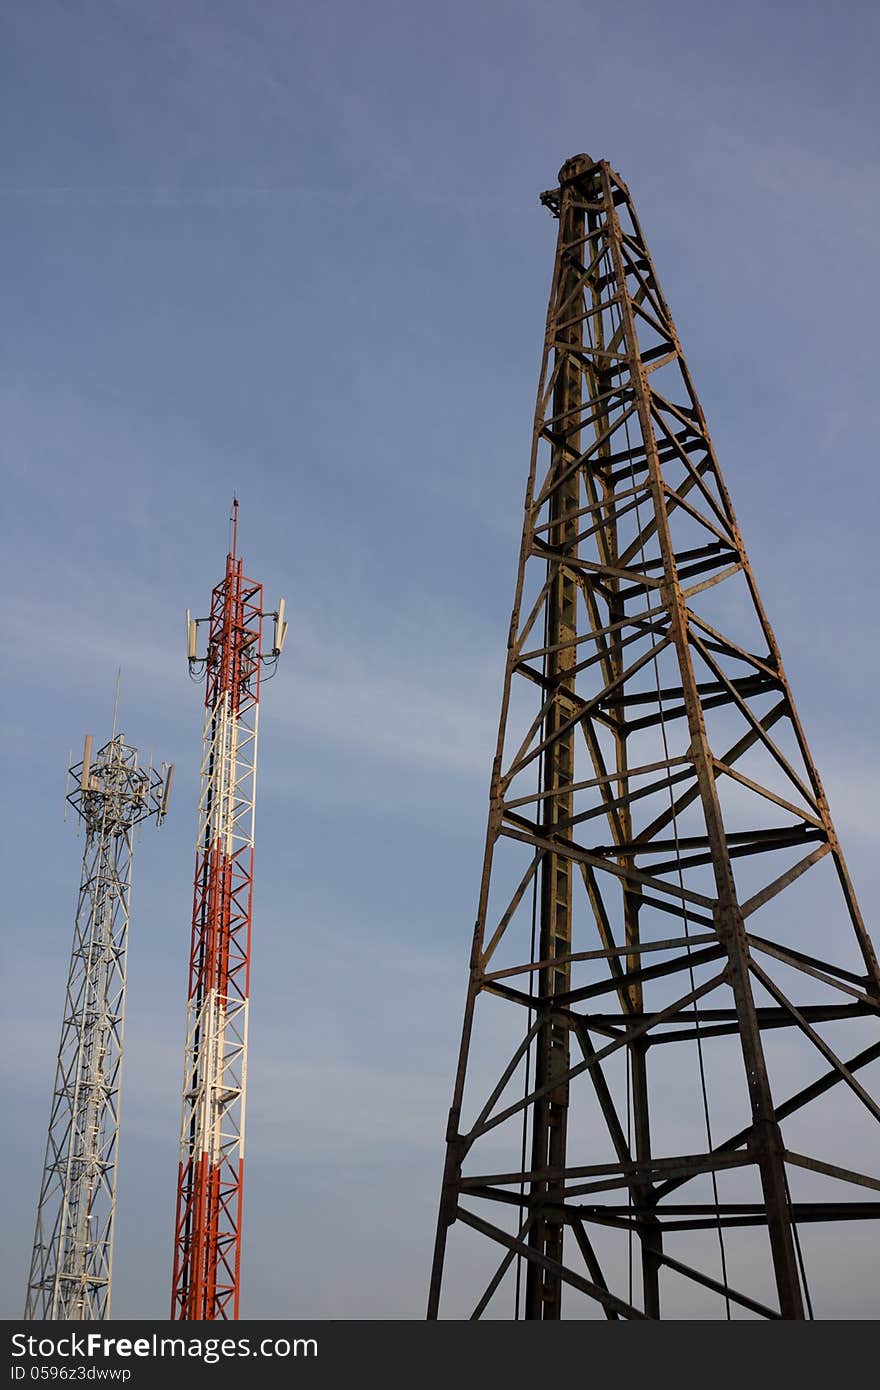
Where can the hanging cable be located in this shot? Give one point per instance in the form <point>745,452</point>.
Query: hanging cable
<point>797,1245</point>
<point>532,958</point>
<point>526,1084</point>
<point>629,1195</point>
<point>629,1107</point>
<point>592,341</point>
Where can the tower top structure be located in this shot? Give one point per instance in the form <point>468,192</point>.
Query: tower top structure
<point>72,1260</point>
<point>226,650</point>
<point>650,924</point>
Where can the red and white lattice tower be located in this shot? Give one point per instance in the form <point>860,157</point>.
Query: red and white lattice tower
<point>207,1230</point>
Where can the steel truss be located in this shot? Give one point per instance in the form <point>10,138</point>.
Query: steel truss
<point>654,809</point>
<point>207,1240</point>
<point>72,1261</point>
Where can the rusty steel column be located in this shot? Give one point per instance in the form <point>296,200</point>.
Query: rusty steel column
<point>632,995</point>
<point>552,1053</point>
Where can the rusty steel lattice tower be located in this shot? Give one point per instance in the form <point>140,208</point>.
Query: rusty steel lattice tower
<point>72,1261</point>
<point>672,992</point>
<point>207,1231</point>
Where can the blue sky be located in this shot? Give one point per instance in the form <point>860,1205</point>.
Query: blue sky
<point>297,251</point>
